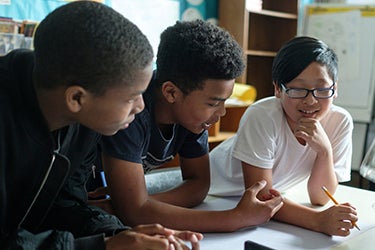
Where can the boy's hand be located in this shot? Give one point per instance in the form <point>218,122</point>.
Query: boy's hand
<point>337,220</point>
<point>254,211</point>
<point>105,204</point>
<point>311,132</point>
<point>100,191</point>
<point>154,237</point>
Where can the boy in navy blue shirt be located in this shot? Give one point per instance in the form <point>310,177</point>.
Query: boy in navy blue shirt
<point>197,64</point>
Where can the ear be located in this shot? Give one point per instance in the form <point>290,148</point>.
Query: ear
<point>277,90</point>
<point>75,98</point>
<point>170,91</point>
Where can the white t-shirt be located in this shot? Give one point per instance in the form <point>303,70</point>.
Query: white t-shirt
<point>265,140</point>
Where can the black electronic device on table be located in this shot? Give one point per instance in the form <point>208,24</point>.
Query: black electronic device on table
<point>251,245</point>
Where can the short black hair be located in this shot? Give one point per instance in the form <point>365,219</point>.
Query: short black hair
<point>191,52</point>
<point>88,44</point>
<point>297,54</point>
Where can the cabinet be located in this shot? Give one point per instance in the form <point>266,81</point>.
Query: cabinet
<point>260,33</point>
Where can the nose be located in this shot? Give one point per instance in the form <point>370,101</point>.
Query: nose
<point>221,111</point>
<point>309,99</point>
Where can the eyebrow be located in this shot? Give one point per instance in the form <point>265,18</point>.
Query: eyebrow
<point>141,92</point>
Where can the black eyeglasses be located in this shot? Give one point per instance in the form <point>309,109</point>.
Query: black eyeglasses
<point>300,93</point>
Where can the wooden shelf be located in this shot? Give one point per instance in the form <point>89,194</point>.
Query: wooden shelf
<point>275,14</point>
<point>261,33</point>
<point>260,53</point>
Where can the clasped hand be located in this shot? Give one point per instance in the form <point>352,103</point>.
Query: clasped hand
<point>253,211</point>
<point>142,237</point>
<point>153,237</point>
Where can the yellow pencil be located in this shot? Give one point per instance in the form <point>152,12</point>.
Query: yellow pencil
<point>336,202</point>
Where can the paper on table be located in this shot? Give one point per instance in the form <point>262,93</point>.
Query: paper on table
<point>363,241</point>
<point>284,236</point>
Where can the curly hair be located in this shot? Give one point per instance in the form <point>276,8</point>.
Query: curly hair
<point>88,44</point>
<point>297,54</point>
<point>193,51</point>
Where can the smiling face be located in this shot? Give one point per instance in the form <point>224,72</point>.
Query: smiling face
<point>201,108</point>
<point>116,108</point>
<point>314,76</point>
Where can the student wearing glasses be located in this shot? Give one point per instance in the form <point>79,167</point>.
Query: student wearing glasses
<point>296,135</point>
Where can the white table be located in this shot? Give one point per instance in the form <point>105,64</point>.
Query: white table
<point>284,236</point>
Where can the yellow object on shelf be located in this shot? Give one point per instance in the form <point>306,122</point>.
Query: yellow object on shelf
<point>244,93</point>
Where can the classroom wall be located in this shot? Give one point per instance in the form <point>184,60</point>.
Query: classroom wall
<point>34,10</point>
<point>199,9</point>
<point>151,16</point>
<point>154,16</point>
<point>364,131</point>
<point>360,1</point>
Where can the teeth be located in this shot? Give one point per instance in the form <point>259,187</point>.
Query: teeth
<point>308,112</point>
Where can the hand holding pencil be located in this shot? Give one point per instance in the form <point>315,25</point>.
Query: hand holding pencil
<point>336,202</point>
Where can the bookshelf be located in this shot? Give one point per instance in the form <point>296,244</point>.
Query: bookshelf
<point>261,33</point>
<point>16,34</point>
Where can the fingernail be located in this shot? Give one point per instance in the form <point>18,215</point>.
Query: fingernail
<point>171,238</point>
<point>194,238</point>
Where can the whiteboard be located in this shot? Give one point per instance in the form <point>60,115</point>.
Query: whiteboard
<point>349,30</point>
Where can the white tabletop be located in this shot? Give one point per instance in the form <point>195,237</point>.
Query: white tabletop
<point>284,236</point>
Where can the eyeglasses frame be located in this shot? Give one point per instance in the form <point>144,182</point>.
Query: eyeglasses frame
<point>308,91</point>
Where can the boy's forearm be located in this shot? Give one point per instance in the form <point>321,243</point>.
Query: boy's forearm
<point>180,218</point>
<point>189,194</point>
<point>297,214</point>
<point>322,174</point>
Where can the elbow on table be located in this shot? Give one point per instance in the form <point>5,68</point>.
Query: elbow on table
<point>199,195</point>
<point>318,201</point>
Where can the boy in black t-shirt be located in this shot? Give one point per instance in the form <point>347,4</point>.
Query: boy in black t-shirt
<point>197,64</point>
